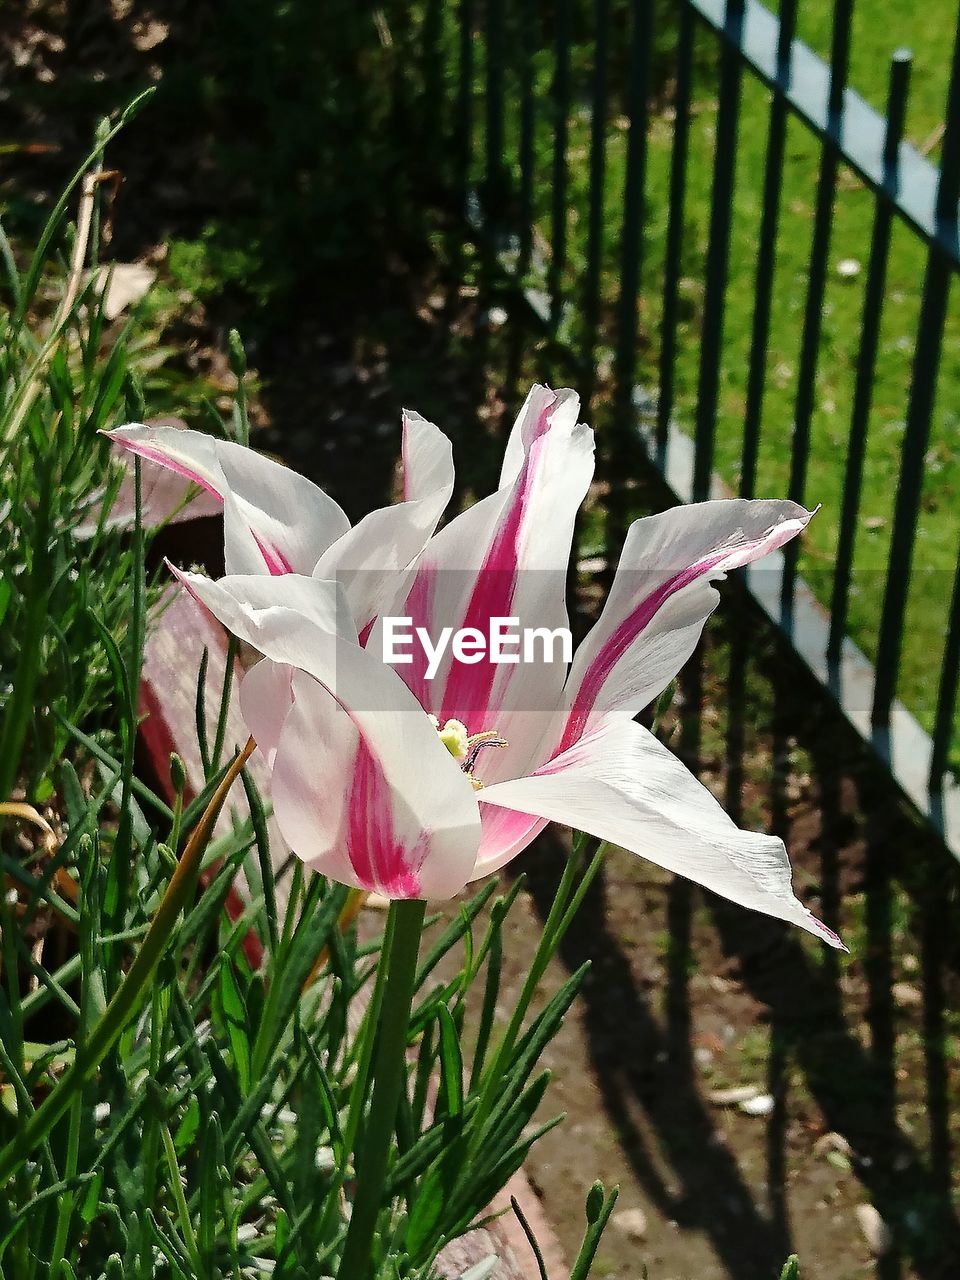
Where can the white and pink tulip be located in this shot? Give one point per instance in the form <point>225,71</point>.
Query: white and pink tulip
<point>410,786</point>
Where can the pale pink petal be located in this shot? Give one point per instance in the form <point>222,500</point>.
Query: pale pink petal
<point>287,520</point>
<point>620,784</point>
<point>266,696</point>
<point>389,757</point>
<point>660,599</point>
<point>368,559</point>
<point>165,498</point>
<point>504,833</point>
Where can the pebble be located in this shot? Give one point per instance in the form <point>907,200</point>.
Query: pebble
<point>632,1222</point>
<point>833,1142</point>
<point>848,268</point>
<point>907,993</point>
<point>732,1097</point>
<point>875,1231</point>
<point>761,1105</point>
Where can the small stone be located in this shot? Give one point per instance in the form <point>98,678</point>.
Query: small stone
<point>906,993</point>
<point>875,1231</point>
<point>147,35</point>
<point>733,1097</point>
<point>761,1105</point>
<point>632,1222</point>
<point>848,268</point>
<point>833,1142</point>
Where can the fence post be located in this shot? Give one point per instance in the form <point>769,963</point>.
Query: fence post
<point>767,253</point>
<point>495,178</point>
<point>867,359</point>
<point>631,236</point>
<point>465,103</point>
<point>674,249</point>
<point>819,254</point>
<point>718,249</point>
<point>598,143</point>
<point>561,109</point>
<point>926,364</point>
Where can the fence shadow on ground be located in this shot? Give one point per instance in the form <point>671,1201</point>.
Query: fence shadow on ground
<point>839,1041</point>
<point>848,1057</point>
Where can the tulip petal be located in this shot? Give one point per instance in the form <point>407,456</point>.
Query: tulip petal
<point>282,617</point>
<point>506,557</point>
<point>373,808</point>
<point>411,827</point>
<point>266,696</point>
<point>278,521</point>
<point>368,559</point>
<point>504,834</point>
<point>660,599</point>
<point>620,784</point>
<point>165,498</point>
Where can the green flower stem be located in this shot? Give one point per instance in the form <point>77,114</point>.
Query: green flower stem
<point>406,919</point>
<point>570,893</point>
<point>124,1003</point>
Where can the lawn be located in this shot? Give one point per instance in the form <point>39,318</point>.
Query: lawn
<point>879,28</point>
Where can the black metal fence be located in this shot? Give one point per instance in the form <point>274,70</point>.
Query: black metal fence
<point>541,93</point>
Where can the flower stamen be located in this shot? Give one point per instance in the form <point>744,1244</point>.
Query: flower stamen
<point>466,747</point>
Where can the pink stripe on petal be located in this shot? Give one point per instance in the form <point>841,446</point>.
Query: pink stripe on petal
<point>164,460</point>
<point>504,834</point>
<point>276,562</point>
<point>469,686</point>
<point>623,636</point>
<point>379,858</point>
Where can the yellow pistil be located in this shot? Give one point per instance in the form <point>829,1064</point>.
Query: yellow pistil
<point>465,747</point>
<point>454,737</point>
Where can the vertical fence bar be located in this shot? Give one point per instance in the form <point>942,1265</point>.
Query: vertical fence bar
<point>947,692</point>
<point>631,238</point>
<point>465,102</point>
<point>674,250</point>
<point>561,108</point>
<point>527,120</point>
<point>718,249</point>
<point>598,143</point>
<point>867,358</point>
<point>926,364</point>
<point>767,252</point>
<point>434,87</point>
<point>816,288</point>
<point>494,184</point>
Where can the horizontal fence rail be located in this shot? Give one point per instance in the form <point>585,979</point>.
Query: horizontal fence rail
<point>553,92</point>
